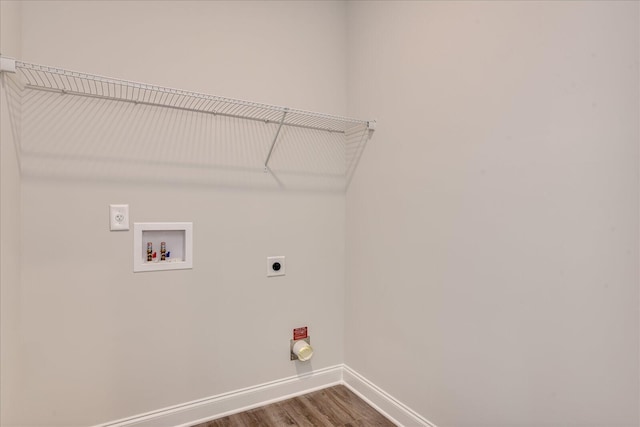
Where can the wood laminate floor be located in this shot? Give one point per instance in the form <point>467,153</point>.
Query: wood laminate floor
<point>333,406</point>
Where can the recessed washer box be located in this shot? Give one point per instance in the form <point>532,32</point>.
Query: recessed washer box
<point>148,239</point>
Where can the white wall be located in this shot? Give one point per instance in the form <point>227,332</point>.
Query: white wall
<point>492,261</point>
<point>10,14</point>
<point>492,226</point>
<point>100,342</point>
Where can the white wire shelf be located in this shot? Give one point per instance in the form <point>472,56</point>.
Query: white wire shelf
<point>292,128</point>
<point>76,83</point>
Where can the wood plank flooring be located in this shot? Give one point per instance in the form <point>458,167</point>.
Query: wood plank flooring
<point>329,407</point>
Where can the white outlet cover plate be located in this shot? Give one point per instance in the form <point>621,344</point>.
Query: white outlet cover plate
<point>271,260</point>
<point>119,217</point>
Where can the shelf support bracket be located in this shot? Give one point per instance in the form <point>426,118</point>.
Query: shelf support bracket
<point>275,138</point>
<point>7,64</point>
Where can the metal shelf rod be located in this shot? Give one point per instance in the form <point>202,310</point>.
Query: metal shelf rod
<point>273,144</point>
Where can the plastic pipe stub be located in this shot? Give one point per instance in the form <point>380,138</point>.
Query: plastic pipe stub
<point>303,350</point>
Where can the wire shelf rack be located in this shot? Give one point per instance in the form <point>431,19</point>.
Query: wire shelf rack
<point>292,128</point>
<point>77,83</point>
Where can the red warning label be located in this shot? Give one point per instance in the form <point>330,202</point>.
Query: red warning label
<point>300,333</point>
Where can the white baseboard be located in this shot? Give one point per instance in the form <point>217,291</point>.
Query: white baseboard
<point>382,401</point>
<point>200,411</point>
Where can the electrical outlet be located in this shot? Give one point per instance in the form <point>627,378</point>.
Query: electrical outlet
<point>275,266</point>
<point>119,217</point>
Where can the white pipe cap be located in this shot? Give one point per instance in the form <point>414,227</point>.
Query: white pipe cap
<point>303,350</point>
